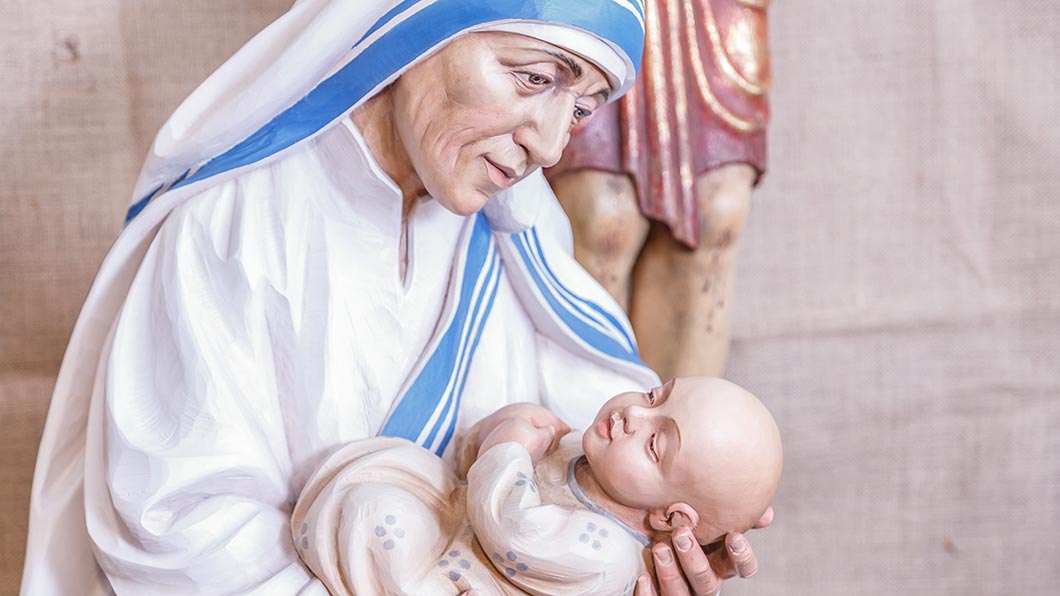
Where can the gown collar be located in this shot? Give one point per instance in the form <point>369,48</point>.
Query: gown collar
<point>576,490</point>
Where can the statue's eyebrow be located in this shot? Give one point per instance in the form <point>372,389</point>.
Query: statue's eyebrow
<point>571,64</point>
<point>576,69</point>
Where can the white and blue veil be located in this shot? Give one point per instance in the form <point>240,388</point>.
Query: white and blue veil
<point>302,75</point>
<point>292,82</point>
<point>309,69</point>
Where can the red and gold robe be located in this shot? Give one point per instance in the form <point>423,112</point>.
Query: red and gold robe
<point>699,103</point>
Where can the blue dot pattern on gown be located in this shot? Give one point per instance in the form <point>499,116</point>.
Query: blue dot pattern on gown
<point>595,535</point>
<point>511,563</point>
<point>523,480</point>
<point>453,561</point>
<point>303,544</point>
<point>390,532</point>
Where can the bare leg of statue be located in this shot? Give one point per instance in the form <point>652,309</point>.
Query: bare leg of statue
<point>681,297</point>
<point>609,230</point>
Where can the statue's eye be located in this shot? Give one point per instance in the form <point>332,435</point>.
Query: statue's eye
<point>535,79</point>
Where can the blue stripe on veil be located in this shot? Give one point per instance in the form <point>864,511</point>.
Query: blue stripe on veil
<point>450,427</point>
<point>588,309</point>
<point>403,43</point>
<point>423,412</point>
<point>604,335</point>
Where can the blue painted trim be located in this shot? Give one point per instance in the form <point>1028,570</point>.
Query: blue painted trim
<point>464,354</point>
<point>597,314</point>
<point>138,206</point>
<point>387,18</point>
<point>576,490</point>
<point>400,46</point>
<point>474,346</point>
<point>565,296</point>
<point>597,340</point>
<point>427,391</point>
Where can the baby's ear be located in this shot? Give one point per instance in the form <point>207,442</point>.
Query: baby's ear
<point>678,515</point>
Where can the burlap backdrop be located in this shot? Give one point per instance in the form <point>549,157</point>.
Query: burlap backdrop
<point>898,295</point>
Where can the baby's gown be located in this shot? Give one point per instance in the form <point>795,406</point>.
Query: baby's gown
<point>384,516</point>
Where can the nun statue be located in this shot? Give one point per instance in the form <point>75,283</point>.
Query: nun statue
<point>343,232</point>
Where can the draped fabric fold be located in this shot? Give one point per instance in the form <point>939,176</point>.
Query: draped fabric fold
<point>256,321</point>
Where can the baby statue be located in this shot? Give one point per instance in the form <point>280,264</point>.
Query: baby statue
<point>542,512</point>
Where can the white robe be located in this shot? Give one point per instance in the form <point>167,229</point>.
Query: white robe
<point>260,333</point>
<point>385,517</point>
<point>251,317</point>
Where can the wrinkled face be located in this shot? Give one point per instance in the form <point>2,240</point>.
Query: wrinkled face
<point>489,109</point>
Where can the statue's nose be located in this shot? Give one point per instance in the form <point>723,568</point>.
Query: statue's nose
<point>546,133</point>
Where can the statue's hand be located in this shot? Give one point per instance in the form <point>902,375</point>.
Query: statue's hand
<point>700,571</point>
<point>530,425</point>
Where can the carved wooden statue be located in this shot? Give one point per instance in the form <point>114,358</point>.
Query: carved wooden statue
<point>542,511</point>
<point>683,149</point>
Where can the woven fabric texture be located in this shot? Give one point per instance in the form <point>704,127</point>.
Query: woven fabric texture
<point>898,284</point>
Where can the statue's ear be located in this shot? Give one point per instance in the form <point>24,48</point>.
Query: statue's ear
<point>678,515</point>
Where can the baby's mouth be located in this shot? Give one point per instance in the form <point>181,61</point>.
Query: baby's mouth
<point>607,425</point>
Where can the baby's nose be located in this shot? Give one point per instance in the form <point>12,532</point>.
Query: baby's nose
<point>634,416</point>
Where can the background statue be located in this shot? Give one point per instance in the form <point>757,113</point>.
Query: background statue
<point>683,149</point>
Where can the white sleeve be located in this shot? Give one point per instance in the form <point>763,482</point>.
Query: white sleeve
<point>545,549</point>
<point>187,479</point>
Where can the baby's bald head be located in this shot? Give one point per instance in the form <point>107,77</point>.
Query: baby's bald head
<point>699,452</point>
<point>738,460</point>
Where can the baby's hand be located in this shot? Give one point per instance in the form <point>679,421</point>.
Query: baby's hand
<point>530,425</point>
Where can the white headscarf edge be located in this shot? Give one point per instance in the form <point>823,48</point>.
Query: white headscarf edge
<point>311,41</point>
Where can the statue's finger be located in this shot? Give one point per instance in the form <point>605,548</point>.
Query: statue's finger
<point>703,580</point>
<point>668,572</point>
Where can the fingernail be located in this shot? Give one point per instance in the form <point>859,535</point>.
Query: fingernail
<point>664,555</point>
<point>737,546</point>
<point>683,542</point>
